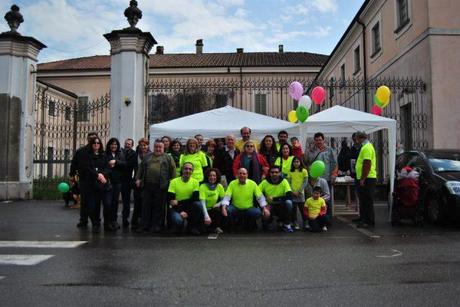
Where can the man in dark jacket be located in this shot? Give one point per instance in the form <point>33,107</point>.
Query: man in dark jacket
<point>127,179</point>
<point>75,170</point>
<point>224,158</point>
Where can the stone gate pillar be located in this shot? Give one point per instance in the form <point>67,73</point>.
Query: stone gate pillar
<point>129,50</point>
<point>18,64</point>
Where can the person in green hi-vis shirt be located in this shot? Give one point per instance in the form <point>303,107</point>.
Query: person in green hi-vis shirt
<point>366,176</point>
<point>196,157</point>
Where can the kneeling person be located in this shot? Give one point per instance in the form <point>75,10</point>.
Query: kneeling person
<point>278,194</point>
<point>315,211</point>
<point>240,193</point>
<point>183,195</point>
<point>211,195</point>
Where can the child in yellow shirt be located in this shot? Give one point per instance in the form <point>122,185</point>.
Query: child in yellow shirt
<point>315,211</point>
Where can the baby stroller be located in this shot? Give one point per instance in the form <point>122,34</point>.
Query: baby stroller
<point>406,200</point>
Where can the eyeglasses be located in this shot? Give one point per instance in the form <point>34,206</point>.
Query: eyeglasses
<point>99,143</point>
<point>188,169</point>
<point>249,145</point>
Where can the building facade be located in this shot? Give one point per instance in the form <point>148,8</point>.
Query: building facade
<point>409,39</point>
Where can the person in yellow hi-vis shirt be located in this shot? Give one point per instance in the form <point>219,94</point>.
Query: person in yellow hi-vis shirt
<point>239,200</point>
<point>366,176</point>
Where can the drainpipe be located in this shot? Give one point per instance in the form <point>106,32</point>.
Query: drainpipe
<point>366,100</point>
<point>241,87</point>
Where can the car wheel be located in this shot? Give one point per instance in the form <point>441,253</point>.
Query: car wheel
<point>435,209</point>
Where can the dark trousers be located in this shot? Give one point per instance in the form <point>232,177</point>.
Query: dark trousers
<point>216,217</point>
<point>93,198</point>
<point>300,206</point>
<point>283,210</point>
<point>83,210</point>
<point>116,189</point>
<point>153,207</point>
<point>137,211</point>
<point>194,212</point>
<point>366,201</point>
<point>318,223</point>
<point>126,187</point>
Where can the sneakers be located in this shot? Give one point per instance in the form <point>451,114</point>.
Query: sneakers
<point>324,229</point>
<point>287,228</point>
<point>295,226</point>
<point>306,226</point>
<point>195,232</point>
<point>218,230</point>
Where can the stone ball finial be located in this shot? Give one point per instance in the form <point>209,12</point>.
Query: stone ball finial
<point>14,18</point>
<point>133,14</point>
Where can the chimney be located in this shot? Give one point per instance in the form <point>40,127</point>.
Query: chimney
<point>280,48</point>
<point>199,46</point>
<point>160,50</point>
<point>239,50</point>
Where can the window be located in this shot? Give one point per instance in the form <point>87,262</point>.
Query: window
<point>342,75</point>
<point>331,88</point>
<point>221,100</point>
<point>376,46</point>
<point>357,58</point>
<point>51,108</point>
<point>261,103</point>
<point>82,111</point>
<point>67,113</point>
<point>402,14</point>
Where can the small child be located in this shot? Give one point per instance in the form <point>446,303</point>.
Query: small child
<point>296,148</point>
<point>72,195</point>
<point>315,211</point>
<point>298,179</point>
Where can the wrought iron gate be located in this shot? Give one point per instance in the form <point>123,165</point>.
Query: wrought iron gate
<point>62,121</point>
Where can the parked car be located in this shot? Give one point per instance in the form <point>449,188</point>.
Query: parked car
<point>439,182</point>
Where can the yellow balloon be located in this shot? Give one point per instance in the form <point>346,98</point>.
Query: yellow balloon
<point>383,94</point>
<point>292,117</point>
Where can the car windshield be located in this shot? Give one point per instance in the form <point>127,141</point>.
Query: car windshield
<point>444,165</point>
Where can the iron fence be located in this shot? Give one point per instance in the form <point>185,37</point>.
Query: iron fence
<point>172,98</point>
<point>61,125</point>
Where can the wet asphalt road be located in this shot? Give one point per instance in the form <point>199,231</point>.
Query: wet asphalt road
<point>404,266</point>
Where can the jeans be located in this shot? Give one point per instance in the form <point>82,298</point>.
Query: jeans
<point>366,201</point>
<point>283,210</point>
<point>153,207</point>
<point>126,187</point>
<point>193,210</point>
<point>253,213</point>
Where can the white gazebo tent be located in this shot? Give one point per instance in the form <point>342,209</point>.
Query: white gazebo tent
<point>339,121</point>
<point>218,123</point>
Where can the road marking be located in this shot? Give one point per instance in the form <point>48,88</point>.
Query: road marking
<point>213,236</point>
<point>396,253</point>
<point>7,202</point>
<point>42,244</point>
<point>365,232</point>
<point>23,259</point>
<point>2,277</point>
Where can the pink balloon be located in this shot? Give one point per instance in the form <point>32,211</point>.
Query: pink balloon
<point>318,94</point>
<point>296,90</point>
<point>376,110</point>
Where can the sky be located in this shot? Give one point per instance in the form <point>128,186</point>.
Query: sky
<point>74,28</point>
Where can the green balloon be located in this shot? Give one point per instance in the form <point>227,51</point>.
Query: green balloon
<point>378,102</point>
<point>302,113</point>
<point>63,187</point>
<point>317,169</point>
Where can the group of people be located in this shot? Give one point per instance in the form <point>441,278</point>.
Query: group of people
<point>207,187</point>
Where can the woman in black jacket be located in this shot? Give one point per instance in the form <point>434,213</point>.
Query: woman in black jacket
<point>117,164</point>
<point>94,184</point>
